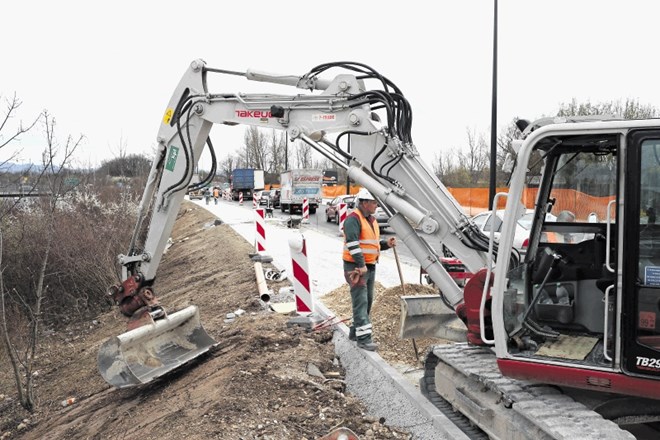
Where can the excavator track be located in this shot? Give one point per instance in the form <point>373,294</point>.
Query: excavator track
<point>468,380</point>
<point>427,387</point>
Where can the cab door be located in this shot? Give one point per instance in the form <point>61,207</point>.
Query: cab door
<point>641,248</point>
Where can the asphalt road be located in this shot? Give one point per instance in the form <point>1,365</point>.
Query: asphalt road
<point>318,221</point>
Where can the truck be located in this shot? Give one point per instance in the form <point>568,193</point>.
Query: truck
<point>297,185</point>
<point>195,189</point>
<point>330,177</point>
<point>561,342</point>
<point>246,180</point>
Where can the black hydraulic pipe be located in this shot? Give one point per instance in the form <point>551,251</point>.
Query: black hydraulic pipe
<point>493,120</point>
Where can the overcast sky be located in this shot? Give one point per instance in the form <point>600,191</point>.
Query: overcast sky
<point>108,69</point>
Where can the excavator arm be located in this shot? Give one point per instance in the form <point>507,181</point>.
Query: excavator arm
<point>381,157</point>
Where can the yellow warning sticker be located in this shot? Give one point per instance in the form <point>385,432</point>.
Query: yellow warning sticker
<point>168,116</point>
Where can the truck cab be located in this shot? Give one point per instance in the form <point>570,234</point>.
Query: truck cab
<point>298,186</point>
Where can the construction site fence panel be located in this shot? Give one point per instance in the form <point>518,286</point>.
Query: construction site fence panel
<point>475,200</point>
<point>330,192</point>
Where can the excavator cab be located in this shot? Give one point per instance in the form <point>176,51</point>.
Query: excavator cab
<point>584,305</point>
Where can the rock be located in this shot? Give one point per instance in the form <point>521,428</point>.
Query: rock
<point>313,370</point>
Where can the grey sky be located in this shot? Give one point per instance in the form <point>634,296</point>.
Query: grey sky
<point>107,69</point>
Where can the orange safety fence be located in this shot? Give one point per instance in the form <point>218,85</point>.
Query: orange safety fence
<point>580,203</point>
<point>330,192</point>
<point>476,199</point>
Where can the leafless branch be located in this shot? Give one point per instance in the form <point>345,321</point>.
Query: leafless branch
<point>12,106</point>
<point>11,350</point>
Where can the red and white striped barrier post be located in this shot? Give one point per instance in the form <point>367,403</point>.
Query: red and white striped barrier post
<point>305,210</point>
<point>240,198</point>
<point>342,216</point>
<point>301,281</point>
<point>260,225</point>
<point>255,202</point>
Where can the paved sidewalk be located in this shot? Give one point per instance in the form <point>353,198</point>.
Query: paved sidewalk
<point>324,251</point>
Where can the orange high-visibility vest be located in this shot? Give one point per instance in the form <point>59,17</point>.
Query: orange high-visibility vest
<point>369,240</point>
<point>556,237</point>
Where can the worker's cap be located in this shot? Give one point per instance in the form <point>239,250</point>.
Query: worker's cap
<point>364,194</point>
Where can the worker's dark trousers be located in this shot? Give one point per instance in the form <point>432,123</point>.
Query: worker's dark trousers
<point>362,297</point>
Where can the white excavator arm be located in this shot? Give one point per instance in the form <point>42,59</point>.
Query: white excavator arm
<point>381,157</point>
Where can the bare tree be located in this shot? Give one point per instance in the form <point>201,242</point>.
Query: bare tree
<point>255,150</point>
<point>322,163</point>
<point>630,109</point>
<point>303,155</point>
<point>505,151</point>
<point>22,357</point>
<point>443,165</point>
<point>227,166</point>
<point>278,150</point>
<point>475,160</point>
<point>11,107</point>
<point>120,154</point>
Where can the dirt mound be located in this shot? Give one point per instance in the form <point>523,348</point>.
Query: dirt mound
<point>263,380</point>
<point>385,318</point>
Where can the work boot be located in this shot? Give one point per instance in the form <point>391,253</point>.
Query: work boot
<point>367,345</point>
<point>351,334</point>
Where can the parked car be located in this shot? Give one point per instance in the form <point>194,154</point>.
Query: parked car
<point>382,218</point>
<point>264,197</point>
<point>332,210</point>
<point>486,222</point>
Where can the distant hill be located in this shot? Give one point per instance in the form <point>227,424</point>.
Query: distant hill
<point>13,167</point>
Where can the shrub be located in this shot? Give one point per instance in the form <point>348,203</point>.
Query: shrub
<point>88,236</point>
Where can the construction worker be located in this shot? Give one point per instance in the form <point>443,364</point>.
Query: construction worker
<point>207,195</point>
<point>557,237</point>
<point>362,246</point>
<point>216,194</point>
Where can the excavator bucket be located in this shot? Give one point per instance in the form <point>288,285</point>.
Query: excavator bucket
<point>427,316</point>
<point>150,351</point>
